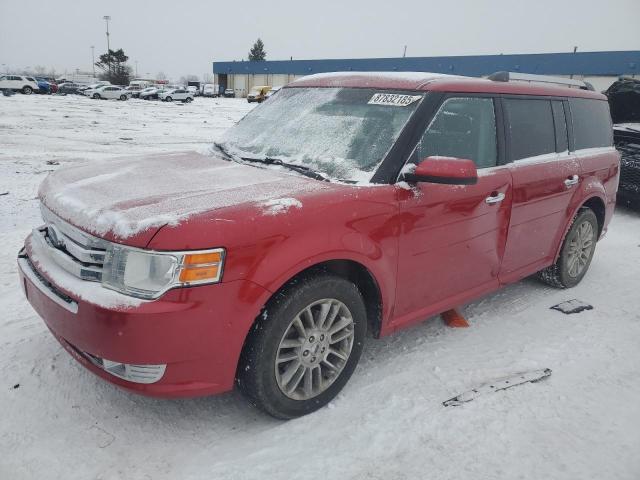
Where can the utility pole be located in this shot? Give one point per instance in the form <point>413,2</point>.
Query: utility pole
<point>575,49</point>
<point>106,19</point>
<point>404,54</point>
<point>93,60</point>
<point>136,68</point>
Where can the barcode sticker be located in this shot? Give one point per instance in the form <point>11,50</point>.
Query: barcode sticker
<point>393,99</point>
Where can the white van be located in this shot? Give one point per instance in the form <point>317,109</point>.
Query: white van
<point>210,90</point>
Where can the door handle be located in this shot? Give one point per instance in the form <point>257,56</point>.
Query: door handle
<point>571,181</point>
<point>494,198</point>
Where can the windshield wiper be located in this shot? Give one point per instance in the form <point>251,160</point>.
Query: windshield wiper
<point>225,152</point>
<point>291,166</point>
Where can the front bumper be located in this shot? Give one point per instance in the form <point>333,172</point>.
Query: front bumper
<point>196,333</point>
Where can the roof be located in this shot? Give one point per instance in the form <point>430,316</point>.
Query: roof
<point>611,63</point>
<point>437,82</point>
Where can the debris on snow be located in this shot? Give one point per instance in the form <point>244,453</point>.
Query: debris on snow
<point>497,385</point>
<point>572,306</point>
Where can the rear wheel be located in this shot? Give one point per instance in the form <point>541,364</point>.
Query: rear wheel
<point>27,90</point>
<point>305,347</point>
<point>96,96</point>
<point>188,100</point>
<point>169,99</point>
<point>123,97</point>
<point>576,253</point>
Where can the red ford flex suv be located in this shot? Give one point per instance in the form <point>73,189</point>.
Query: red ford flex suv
<point>348,203</point>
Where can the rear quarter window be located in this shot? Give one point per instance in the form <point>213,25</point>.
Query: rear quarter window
<point>591,123</point>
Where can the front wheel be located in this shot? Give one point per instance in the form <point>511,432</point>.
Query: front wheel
<point>188,100</point>
<point>123,97</point>
<point>304,347</point>
<point>27,90</point>
<point>96,96</point>
<point>168,99</point>
<point>576,254</point>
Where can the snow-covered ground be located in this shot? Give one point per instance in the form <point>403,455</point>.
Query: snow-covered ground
<point>59,421</point>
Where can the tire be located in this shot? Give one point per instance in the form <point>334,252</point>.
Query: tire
<point>188,100</point>
<point>96,96</point>
<point>576,254</point>
<point>123,97</point>
<point>168,99</point>
<point>268,357</point>
<point>27,90</point>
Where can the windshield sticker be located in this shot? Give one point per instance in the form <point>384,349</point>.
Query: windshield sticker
<point>393,99</point>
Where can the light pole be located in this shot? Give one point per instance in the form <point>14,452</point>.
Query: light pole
<point>93,60</point>
<point>136,68</point>
<point>106,19</point>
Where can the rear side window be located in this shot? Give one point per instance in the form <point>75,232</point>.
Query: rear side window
<point>530,127</point>
<point>591,123</point>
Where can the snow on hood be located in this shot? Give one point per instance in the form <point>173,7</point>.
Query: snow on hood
<point>127,196</point>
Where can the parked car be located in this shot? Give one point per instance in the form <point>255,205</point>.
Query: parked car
<point>179,94</point>
<point>149,93</point>
<point>89,90</point>
<point>627,141</point>
<point>109,92</point>
<point>229,93</point>
<point>46,85</point>
<point>43,86</point>
<point>19,83</point>
<point>69,88</point>
<point>193,90</point>
<point>134,91</point>
<point>272,92</point>
<point>258,93</point>
<point>265,263</point>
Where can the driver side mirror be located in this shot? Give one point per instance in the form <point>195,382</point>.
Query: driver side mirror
<point>446,170</point>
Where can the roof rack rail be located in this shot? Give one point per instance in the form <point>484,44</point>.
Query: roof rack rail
<point>529,77</point>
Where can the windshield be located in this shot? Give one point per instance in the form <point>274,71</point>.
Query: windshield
<point>343,133</point>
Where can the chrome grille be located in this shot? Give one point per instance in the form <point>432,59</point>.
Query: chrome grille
<point>77,252</point>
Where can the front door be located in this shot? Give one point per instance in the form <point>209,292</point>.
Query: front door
<point>453,236</point>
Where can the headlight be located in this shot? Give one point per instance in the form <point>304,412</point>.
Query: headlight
<point>146,274</point>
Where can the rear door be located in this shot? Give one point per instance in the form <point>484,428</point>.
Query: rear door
<point>453,236</point>
<point>545,177</point>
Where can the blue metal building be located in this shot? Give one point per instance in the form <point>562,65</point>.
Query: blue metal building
<point>242,75</point>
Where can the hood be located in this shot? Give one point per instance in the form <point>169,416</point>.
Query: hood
<point>128,199</point>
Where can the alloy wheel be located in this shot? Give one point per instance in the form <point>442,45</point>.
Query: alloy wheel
<point>580,249</point>
<point>314,349</point>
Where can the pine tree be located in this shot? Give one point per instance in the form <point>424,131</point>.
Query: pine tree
<point>114,67</point>
<point>257,52</point>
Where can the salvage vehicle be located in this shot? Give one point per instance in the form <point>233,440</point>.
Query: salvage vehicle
<point>19,83</point>
<point>258,94</point>
<point>627,141</point>
<point>348,203</point>
<point>68,88</point>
